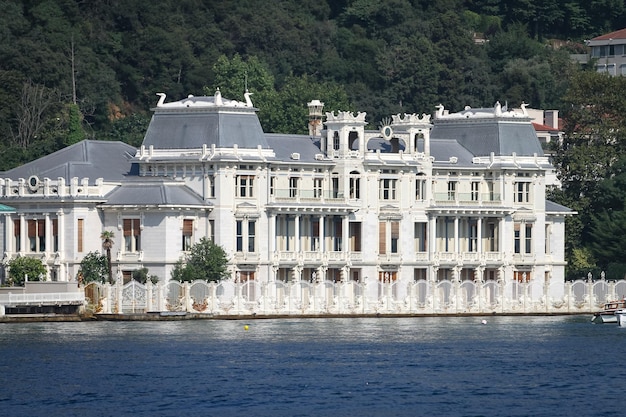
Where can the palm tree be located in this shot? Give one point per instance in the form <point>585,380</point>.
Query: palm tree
<point>107,243</point>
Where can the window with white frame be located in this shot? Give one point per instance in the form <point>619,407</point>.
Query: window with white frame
<point>420,234</point>
<point>452,187</point>
<point>132,235</point>
<point>317,187</point>
<point>522,192</point>
<point>293,187</point>
<point>36,235</point>
<point>187,234</point>
<point>336,142</point>
<point>420,187</point>
<point>244,185</point>
<point>355,185</point>
<point>522,235</point>
<point>245,230</point>
<point>474,190</point>
<point>388,236</point>
<point>387,188</point>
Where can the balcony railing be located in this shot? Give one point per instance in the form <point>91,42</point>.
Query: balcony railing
<point>298,195</point>
<point>464,199</point>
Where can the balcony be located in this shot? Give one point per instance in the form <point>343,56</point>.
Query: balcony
<point>466,199</point>
<point>295,196</point>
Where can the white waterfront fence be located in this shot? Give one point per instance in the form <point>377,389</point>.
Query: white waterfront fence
<point>231,297</point>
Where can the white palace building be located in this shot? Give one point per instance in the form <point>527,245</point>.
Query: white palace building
<point>449,197</point>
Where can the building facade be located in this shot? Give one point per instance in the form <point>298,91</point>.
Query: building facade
<point>449,196</point>
<point>609,52</point>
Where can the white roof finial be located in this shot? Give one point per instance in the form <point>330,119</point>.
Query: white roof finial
<point>248,100</point>
<point>161,99</point>
<point>218,97</point>
<point>498,109</point>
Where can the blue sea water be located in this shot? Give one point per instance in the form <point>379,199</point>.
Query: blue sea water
<point>443,366</point>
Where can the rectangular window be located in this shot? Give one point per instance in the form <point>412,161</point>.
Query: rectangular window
<point>55,235</point>
<point>239,231</point>
<point>293,187</point>
<point>251,235</point>
<point>475,188</point>
<point>36,235</point>
<point>212,231</point>
<point>315,235</point>
<point>452,190</point>
<point>492,237</point>
<point>528,238</point>
<point>335,183</point>
<point>420,184</point>
<point>17,242</point>
<point>272,185</point>
<point>355,187</point>
<point>517,236</point>
<point>387,189</point>
<point>420,237</point>
<point>187,234</point>
<point>522,192</point>
<point>80,227</point>
<point>244,186</point>
<point>132,235</point>
<point>420,274</point>
<point>473,235</point>
<point>337,234</point>
<point>382,238</point>
<point>355,236</point>
<point>395,236</point>
<point>317,187</point>
<point>336,142</point>
<point>212,186</point>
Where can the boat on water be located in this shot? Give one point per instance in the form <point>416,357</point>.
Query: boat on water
<point>620,315</point>
<point>607,315</point>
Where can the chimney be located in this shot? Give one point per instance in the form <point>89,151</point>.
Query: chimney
<point>315,117</point>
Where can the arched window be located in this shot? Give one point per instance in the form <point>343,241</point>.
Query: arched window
<point>353,141</point>
<point>419,142</point>
<point>336,141</point>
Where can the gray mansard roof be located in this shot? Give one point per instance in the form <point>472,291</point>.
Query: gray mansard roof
<point>197,121</point>
<point>154,193</point>
<point>91,159</point>
<point>483,131</point>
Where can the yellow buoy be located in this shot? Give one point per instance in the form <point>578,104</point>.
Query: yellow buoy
<point>245,327</point>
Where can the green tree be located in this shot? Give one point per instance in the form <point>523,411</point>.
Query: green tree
<point>589,162</point>
<point>94,267</point>
<point>206,261</point>
<point>107,243</point>
<point>75,131</point>
<point>24,267</point>
<point>141,275</point>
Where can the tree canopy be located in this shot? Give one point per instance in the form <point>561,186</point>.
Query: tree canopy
<point>74,70</point>
<point>22,268</point>
<point>205,261</point>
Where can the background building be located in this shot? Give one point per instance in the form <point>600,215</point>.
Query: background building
<point>609,52</point>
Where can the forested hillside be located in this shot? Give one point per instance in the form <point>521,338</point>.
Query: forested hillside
<point>73,69</point>
<point>76,69</point>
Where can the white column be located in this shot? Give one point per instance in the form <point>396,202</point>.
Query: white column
<point>23,234</point>
<point>321,233</point>
<point>344,234</point>
<point>432,236</point>
<point>296,233</point>
<point>272,235</point>
<point>479,235</point>
<point>456,235</point>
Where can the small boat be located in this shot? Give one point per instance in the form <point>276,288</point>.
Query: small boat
<point>620,315</point>
<point>607,315</point>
